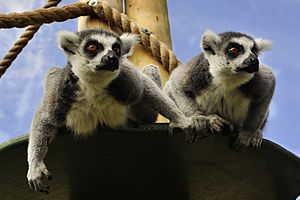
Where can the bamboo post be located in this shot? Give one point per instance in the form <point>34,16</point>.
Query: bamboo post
<point>85,22</point>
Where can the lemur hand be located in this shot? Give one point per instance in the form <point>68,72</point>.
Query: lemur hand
<point>36,171</point>
<point>247,139</point>
<point>216,123</point>
<point>193,127</point>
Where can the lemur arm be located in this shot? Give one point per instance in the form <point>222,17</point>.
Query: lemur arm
<point>184,83</point>
<point>40,133</point>
<point>154,97</point>
<point>192,126</point>
<point>48,117</point>
<point>186,104</point>
<point>257,114</point>
<point>251,132</point>
<point>261,90</point>
<point>42,128</point>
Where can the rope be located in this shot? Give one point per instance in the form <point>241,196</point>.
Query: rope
<point>22,41</point>
<point>48,15</point>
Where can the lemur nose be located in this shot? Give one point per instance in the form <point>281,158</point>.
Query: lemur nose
<point>111,57</point>
<point>254,60</point>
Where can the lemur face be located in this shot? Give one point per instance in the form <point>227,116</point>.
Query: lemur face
<point>241,55</point>
<point>96,52</point>
<point>101,52</point>
<point>232,53</point>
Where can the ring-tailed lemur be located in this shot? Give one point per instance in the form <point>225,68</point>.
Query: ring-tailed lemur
<point>99,86</point>
<point>227,80</point>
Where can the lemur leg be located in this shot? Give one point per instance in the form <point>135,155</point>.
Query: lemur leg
<point>141,112</point>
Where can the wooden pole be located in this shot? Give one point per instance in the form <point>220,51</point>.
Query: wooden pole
<point>152,15</point>
<point>86,22</point>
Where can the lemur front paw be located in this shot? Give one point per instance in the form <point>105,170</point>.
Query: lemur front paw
<point>242,142</point>
<point>35,175</point>
<point>216,123</point>
<point>256,140</point>
<point>192,127</point>
<point>247,139</point>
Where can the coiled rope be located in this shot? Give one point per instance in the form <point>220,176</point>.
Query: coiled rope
<point>49,14</point>
<point>22,41</point>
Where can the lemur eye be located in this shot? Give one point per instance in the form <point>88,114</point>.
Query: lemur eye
<point>233,50</point>
<point>116,48</point>
<point>92,48</point>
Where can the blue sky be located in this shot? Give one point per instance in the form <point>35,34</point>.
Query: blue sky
<point>278,20</point>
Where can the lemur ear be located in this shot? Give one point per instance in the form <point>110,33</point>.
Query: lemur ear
<point>129,40</point>
<point>263,45</point>
<point>68,41</point>
<point>209,42</point>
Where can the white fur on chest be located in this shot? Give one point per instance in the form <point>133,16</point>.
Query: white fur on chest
<point>93,107</point>
<point>230,104</point>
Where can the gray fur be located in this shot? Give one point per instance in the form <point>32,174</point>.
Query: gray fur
<point>141,112</point>
<point>214,82</point>
<point>98,86</point>
<point>60,84</point>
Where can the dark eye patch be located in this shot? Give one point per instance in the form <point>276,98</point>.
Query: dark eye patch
<point>92,48</point>
<point>116,47</point>
<point>254,50</point>
<point>233,50</point>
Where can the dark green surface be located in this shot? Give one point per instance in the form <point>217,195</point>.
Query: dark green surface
<point>146,163</point>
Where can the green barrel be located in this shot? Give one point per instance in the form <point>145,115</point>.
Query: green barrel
<point>146,163</point>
